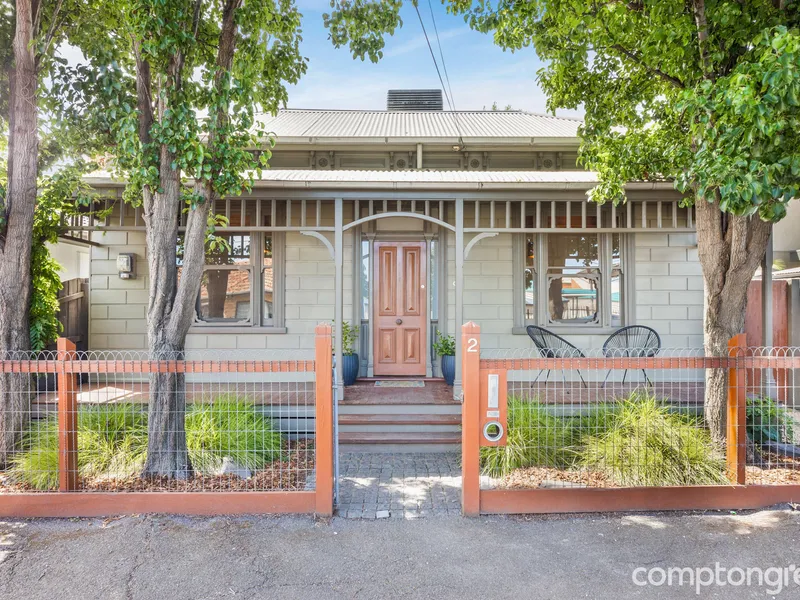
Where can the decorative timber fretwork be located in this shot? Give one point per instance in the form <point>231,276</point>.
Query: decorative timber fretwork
<point>513,215</point>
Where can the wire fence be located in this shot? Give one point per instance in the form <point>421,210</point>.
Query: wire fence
<point>628,418</point>
<point>122,422</point>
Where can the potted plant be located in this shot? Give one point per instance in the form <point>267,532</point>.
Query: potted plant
<point>350,363</point>
<point>445,347</point>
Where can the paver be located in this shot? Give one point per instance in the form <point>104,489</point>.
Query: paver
<point>407,486</point>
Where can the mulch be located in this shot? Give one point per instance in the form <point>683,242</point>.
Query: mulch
<point>537,477</point>
<point>289,474</point>
<point>773,469</point>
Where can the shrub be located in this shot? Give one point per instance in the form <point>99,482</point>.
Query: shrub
<point>232,428</point>
<point>596,421</point>
<point>445,345</point>
<point>534,437</point>
<point>112,441</point>
<point>767,421</point>
<point>647,445</point>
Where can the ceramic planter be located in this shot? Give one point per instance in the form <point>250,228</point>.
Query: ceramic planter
<point>350,365</point>
<point>449,369</point>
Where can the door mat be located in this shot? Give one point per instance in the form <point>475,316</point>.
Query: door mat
<point>388,383</point>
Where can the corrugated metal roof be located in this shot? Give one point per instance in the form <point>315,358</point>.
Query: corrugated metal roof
<point>398,180</point>
<point>793,273</point>
<point>294,123</point>
<point>363,176</point>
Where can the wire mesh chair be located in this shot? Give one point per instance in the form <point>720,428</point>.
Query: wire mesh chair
<point>551,345</point>
<point>633,341</point>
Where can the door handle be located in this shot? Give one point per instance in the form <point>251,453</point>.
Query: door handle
<point>399,321</point>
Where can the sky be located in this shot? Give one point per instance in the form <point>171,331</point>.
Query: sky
<point>480,72</point>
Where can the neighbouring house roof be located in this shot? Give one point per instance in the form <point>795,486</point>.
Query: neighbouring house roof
<point>784,274</point>
<point>420,179</point>
<point>360,125</point>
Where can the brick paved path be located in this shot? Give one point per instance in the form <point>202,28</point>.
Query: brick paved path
<point>399,486</point>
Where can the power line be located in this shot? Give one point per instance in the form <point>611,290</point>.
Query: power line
<point>441,55</point>
<point>448,96</point>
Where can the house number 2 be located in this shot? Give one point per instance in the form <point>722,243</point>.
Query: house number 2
<point>472,345</point>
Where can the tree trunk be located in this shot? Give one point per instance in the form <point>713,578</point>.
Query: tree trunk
<point>16,226</point>
<point>170,314</point>
<point>730,249</point>
<point>167,451</point>
<point>171,306</point>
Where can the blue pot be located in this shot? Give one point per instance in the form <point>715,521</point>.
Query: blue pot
<point>350,366</point>
<point>449,369</point>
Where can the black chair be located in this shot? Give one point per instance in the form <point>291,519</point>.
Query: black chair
<point>551,345</point>
<point>633,341</point>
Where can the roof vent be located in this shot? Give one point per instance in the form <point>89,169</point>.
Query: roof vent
<point>409,100</point>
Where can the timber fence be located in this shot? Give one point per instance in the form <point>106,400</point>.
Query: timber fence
<point>628,429</point>
<point>235,433</point>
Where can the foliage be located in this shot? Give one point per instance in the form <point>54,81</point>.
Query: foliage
<point>768,421</point>
<point>445,345</point>
<point>61,194</point>
<point>647,445</point>
<point>362,24</point>
<point>213,104</point>
<point>233,428</point>
<point>705,94</point>
<point>112,441</point>
<point>534,437</point>
<point>349,337</point>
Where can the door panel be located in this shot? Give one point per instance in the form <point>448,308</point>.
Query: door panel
<point>400,310</point>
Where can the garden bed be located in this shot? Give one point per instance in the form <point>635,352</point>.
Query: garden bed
<point>289,474</point>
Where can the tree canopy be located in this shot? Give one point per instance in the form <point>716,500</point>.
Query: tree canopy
<point>704,93</point>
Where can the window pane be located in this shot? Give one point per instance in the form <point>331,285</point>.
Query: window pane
<point>434,271</point>
<point>268,277</point>
<point>224,296</point>
<point>573,252</point>
<point>616,256</point>
<point>229,249</point>
<point>616,298</point>
<point>572,299</point>
<point>365,280</point>
<point>529,279</point>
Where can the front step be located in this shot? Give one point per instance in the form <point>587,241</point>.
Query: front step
<point>399,423</point>
<point>399,442</point>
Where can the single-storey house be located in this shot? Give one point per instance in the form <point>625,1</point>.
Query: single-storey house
<point>409,222</point>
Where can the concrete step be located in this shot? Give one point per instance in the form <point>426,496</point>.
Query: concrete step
<point>399,442</point>
<point>399,409</point>
<point>399,423</point>
<point>399,419</point>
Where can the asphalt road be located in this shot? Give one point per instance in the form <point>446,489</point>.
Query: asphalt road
<point>564,558</point>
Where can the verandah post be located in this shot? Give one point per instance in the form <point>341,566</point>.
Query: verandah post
<point>470,424</point>
<point>736,451</point>
<point>67,419</point>
<point>323,443</point>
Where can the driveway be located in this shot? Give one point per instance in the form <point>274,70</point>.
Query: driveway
<point>441,556</point>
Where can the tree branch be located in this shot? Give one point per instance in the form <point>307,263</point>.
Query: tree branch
<point>699,9</point>
<point>635,57</point>
<point>197,221</point>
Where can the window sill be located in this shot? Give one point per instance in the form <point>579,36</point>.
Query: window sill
<point>237,330</point>
<point>571,330</point>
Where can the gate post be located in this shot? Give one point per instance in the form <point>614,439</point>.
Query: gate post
<point>323,442</point>
<point>67,420</point>
<point>470,425</point>
<point>736,451</point>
